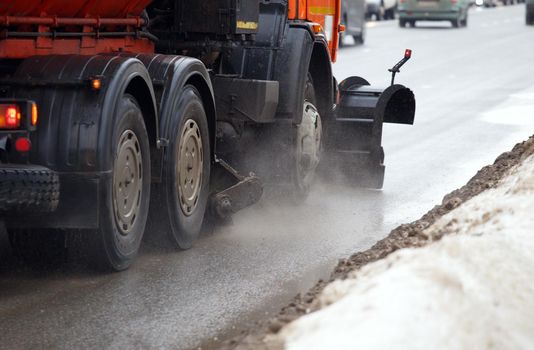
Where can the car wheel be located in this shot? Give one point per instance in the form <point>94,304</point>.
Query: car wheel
<point>456,22</point>
<point>361,37</point>
<point>402,23</point>
<point>380,15</point>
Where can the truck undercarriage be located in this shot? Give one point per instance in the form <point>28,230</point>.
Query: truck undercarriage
<point>169,111</point>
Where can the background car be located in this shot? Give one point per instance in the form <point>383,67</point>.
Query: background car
<point>486,3</point>
<point>454,11</point>
<point>529,12</point>
<point>380,9</point>
<point>353,17</point>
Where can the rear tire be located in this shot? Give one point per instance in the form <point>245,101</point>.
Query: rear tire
<point>464,21</point>
<point>402,23</point>
<point>126,197</point>
<point>179,202</point>
<point>308,137</point>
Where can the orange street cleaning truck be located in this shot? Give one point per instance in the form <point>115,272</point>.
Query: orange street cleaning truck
<point>118,115</point>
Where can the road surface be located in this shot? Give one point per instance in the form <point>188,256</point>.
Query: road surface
<point>475,99</point>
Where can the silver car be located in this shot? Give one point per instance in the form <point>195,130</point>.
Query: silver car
<point>353,18</point>
<point>529,4</point>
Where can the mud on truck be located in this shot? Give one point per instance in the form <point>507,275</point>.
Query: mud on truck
<point>120,116</point>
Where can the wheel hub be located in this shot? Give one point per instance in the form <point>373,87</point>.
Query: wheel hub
<point>127,181</point>
<point>189,167</point>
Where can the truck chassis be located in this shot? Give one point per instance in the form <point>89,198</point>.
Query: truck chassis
<point>167,112</point>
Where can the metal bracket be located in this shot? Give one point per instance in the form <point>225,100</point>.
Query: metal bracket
<point>161,143</point>
<point>396,68</point>
<point>246,191</point>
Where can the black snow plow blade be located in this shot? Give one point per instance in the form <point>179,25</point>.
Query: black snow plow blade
<point>353,136</point>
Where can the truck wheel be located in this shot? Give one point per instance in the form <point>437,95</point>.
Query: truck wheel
<point>126,197</point>
<point>180,201</point>
<point>308,144</point>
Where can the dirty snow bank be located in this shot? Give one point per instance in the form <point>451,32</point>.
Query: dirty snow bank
<point>472,289</point>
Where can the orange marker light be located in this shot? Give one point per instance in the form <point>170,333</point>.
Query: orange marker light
<point>96,84</point>
<point>34,114</point>
<point>317,28</point>
<point>342,28</point>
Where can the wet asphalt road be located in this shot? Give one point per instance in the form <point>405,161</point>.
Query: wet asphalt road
<point>475,96</point>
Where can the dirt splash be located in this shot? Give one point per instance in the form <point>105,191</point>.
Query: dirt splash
<point>405,236</point>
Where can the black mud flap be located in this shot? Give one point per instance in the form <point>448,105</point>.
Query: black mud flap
<point>353,134</point>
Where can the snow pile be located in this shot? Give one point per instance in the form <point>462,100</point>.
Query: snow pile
<point>474,289</point>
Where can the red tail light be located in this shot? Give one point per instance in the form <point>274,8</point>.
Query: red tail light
<point>9,116</point>
<point>454,1</point>
<point>23,145</point>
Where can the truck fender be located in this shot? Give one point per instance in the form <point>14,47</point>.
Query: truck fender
<point>169,75</point>
<point>184,71</point>
<point>323,81</point>
<point>291,69</point>
<point>130,77</point>
<point>76,120</point>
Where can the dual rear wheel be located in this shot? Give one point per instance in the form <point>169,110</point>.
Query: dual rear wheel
<point>179,202</point>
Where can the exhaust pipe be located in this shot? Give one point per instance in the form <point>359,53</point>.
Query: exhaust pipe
<point>353,135</point>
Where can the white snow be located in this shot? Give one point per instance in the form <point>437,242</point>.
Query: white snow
<point>474,289</point>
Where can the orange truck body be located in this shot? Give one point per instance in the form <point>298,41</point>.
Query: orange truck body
<point>91,15</point>
<point>325,13</point>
